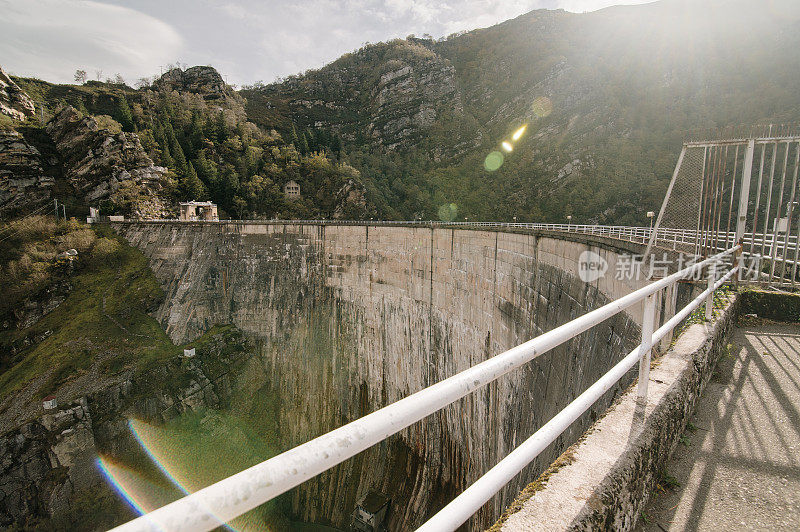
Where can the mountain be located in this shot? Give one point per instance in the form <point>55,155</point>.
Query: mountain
<point>140,152</point>
<point>606,97</point>
<point>414,128</point>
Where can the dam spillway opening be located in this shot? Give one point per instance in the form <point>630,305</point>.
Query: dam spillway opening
<point>348,319</point>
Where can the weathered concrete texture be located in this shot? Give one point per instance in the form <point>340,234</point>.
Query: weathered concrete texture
<point>741,470</point>
<point>352,318</point>
<point>614,468</point>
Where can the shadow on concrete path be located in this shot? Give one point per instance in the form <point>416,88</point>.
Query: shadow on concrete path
<point>739,469</point>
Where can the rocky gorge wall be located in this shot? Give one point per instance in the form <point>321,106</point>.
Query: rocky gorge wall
<point>48,465</point>
<point>352,318</point>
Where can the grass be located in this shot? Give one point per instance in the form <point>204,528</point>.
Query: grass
<point>104,318</point>
<point>666,482</point>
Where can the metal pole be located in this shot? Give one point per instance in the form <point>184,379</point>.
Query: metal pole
<point>712,273</point>
<point>55,206</point>
<point>790,211</point>
<point>700,206</point>
<point>732,194</point>
<point>648,319</point>
<point>774,249</point>
<point>664,203</point>
<point>758,197</point>
<point>744,195</point>
<point>769,197</point>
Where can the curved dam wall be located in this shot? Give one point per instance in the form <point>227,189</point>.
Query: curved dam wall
<point>351,318</point>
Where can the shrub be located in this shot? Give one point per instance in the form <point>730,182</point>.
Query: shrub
<point>105,251</point>
<point>81,240</point>
<point>106,122</point>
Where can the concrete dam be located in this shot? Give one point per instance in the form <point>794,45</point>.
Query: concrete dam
<point>350,318</point>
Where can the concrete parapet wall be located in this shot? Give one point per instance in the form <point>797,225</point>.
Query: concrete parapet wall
<point>604,481</point>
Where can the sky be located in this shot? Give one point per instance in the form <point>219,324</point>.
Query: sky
<point>246,40</point>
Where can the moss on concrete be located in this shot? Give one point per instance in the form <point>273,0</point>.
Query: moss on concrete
<point>777,306</point>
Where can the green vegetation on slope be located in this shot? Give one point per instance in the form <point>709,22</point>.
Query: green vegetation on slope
<point>213,152</point>
<point>625,86</point>
<point>101,326</point>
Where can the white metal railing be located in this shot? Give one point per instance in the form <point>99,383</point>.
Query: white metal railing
<point>220,502</point>
<point>635,234</point>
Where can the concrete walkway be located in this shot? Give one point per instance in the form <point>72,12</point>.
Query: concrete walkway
<point>741,467</point>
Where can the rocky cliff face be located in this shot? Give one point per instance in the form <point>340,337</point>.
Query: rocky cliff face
<point>389,94</point>
<point>23,183</point>
<point>47,463</point>
<point>616,90</point>
<point>14,102</point>
<point>97,162</point>
<point>205,82</point>
<point>202,80</point>
<point>350,319</point>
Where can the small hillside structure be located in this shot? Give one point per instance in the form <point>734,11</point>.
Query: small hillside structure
<point>50,402</point>
<point>198,210</point>
<point>291,190</point>
<point>370,513</point>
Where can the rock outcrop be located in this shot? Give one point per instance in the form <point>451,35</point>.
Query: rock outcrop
<point>48,461</point>
<point>43,463</point>
<point>410,96</point>
<point>202,80</point>
<point>97,162</point>
<point>389,95</point>
<point>14,102</point>
<point>23,183</point>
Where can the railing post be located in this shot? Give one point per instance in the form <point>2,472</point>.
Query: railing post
<point>712,274</point>
<point>648,319</point>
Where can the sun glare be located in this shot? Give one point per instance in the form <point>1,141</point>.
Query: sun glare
<point>507,146</point>
<point>518,133</point>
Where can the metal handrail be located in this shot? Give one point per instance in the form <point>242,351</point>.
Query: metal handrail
<point>220,502</point>
<point>637,234</point>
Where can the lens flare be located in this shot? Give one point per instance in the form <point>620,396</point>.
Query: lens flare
<point>542,106</point>
<point>518,133</point>
<point>507,146</point>
<point>493,161</point>
<point>178,463</point>
<point>140,493</point>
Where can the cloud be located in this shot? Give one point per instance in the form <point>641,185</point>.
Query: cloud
<point>50,39</point>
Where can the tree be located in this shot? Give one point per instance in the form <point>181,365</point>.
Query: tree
<point>303,147</point>
<point>80,76</point>
<point>175,149</point>
<point>118,79</point>
<point>124,115</point>
<point>98,74</point>
<point>191,185</point>
<point>221,127</point>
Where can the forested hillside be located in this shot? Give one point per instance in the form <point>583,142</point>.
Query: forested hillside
<point>599,104</point>
<point>185,137</point>
<point>607,98</point>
